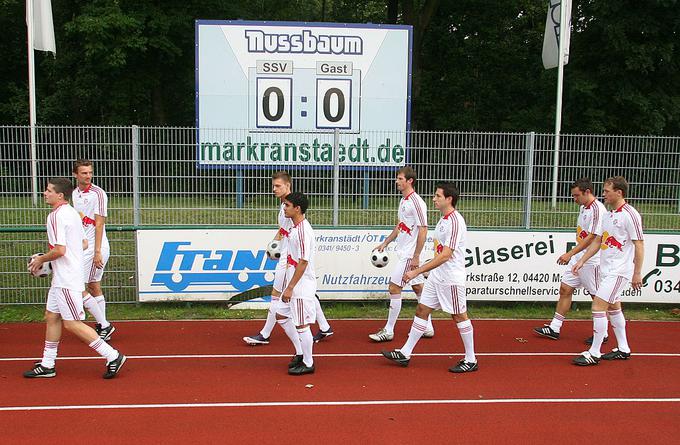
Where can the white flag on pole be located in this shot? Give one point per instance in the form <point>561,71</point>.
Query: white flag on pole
<point>43,28</point>
<point>551,40</point>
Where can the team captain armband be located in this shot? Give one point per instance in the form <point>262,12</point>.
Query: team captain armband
<point>283,232</point>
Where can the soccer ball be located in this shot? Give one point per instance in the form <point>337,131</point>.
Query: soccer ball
<point>379,259</point>
<point>44,270</point>
<point>274,249</point>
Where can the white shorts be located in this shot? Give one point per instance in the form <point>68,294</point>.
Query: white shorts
<point>66,302</point>
<point>300,311</point>
<point>280,277</point>
<point>403,266</point>
<point>91,274</point>
<point>449,298</point>
<point>611,287</point>
<point>588,278</point>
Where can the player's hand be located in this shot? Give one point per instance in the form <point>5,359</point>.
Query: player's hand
<point>287,293</point>
<point>415,262</point>
<point>411,274</point>
<point>380,247</point>
<point>98,261</point>
<point>636,282</point>
<point>564,259</point>
<point>35,264</point>
<point>578,266</point>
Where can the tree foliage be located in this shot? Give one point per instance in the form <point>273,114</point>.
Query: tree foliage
<point>477,63</point>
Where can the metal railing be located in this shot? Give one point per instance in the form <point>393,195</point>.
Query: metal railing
<point>154,176</point>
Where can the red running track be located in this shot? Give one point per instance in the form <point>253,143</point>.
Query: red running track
<point>421,403</point>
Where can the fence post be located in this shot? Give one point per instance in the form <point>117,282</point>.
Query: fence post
<point>529,177</point>
<point>136,220</point>
<point>336,176</point>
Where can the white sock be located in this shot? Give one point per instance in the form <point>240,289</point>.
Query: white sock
<point>556,323</point>
<point>49,354</point>
<point>417,330</point>
<point>289,328</point>
<point>618,322</point>
<point>599,331</point>
<point>430,327</point>
<point>102,304</point>
<point>395,308</point>
<point>104,349</point>
<point>271,319</point>
<point>320,316</point>
<point>93,308</point>
<point>307,341</point>
<point>466,332</point>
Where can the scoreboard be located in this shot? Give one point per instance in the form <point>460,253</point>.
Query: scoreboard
<point>279,83</point>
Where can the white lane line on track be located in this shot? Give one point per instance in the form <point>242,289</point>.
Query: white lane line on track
<point>434,354</point>
<point>338,403</point>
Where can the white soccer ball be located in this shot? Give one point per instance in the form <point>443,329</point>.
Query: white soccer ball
<point>45,268</point>
<point>274,249</point>
<point>379,259</point>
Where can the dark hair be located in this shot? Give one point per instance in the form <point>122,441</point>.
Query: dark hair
<point>450,190</point>
<point>408,173</point>
<point>618,183</point>
<point>583,184</point>
<point>81,163</point>
<point>298,199</point>
<point>62,185</point>
<point>283,175</point>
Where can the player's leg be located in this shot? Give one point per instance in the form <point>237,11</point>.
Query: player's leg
<point>46,367</point>
<point>89,301</point>
<point>453,300</point>
<point>324,327</point>
<point>591,281</point>
<point>262,338</point>
<point>402,356</point>
<point>303,314</point>
<point>618,322</point>
<point>418,290</point>
<point>283,318</point>
<point>570,282</point>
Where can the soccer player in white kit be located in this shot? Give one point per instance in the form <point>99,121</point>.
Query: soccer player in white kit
<point>621,248</point>
<point>91,203</point>
<point>281,186</point>
<point>410,234</point>
<point>445,285</point>
<point>64,299</point>
<point>588,227</point>
<point>297,306</point>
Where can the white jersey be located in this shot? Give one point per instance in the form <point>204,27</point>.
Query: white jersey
<point>620,228</point>
<point>285,224</point>
<point>412,214</point>
<point>451,231</point>
<point>65,228</point>
<point>589,221</point>
<point>90,202</point>
<point>301,246</point>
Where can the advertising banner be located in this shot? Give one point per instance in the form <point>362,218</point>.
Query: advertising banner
<point>217,264</point>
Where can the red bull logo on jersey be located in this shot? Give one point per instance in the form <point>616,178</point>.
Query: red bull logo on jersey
<point>404,228</point>
<point>580,234</point>
<point>179,267</point>
<point>611,242</point>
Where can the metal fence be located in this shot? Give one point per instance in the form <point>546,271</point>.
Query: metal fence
<point>152,178</point>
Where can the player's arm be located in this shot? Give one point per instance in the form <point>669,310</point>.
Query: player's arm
<point>420,242</point>
<point>391,237</point>
<point>638,259</point>
<point>437,261</point>
<point>57,252</point>
<point>299,271</point>
<point>592,249</point>
<point>99,222</point>
<point>579,247</point>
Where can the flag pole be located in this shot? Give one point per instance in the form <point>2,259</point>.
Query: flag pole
<point>564,27</point>
<point>31,101</point>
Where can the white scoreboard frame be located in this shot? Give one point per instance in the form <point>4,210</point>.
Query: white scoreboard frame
<point>302,77</point>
